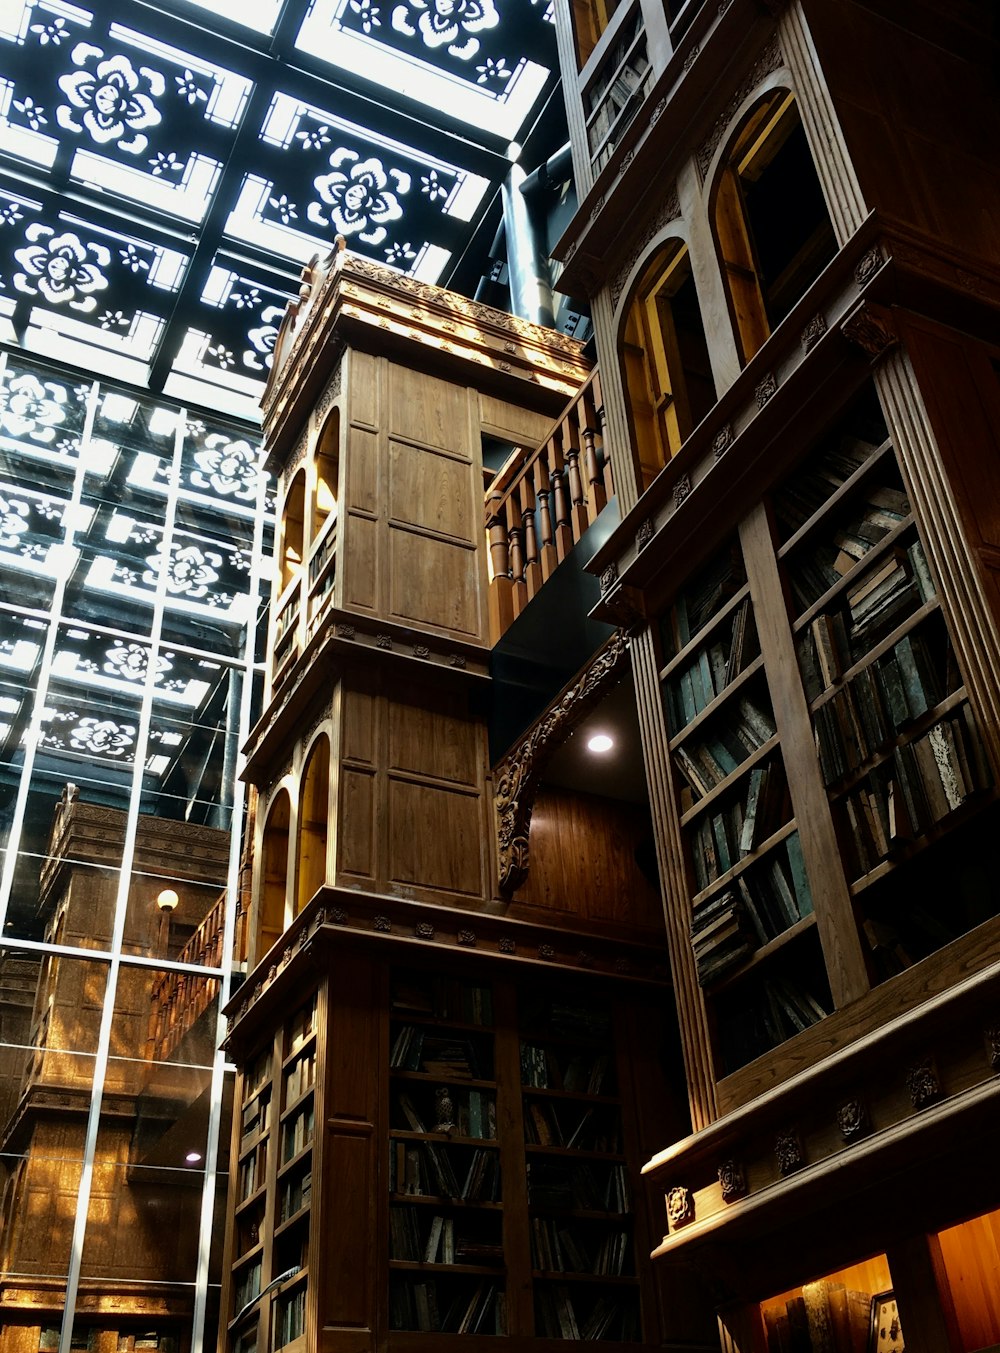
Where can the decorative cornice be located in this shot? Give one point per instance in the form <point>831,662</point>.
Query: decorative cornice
<point>516,776</point>
<point>871,328</point>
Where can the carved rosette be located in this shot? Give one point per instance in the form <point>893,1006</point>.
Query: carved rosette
<point>680,1206</point>
<point>546,951</point>
<point>423,930</point>
<point>867,266</point>
<point>345,631</point>
<point>383,641</point>
<point>516,776</point>
<point>852,1119</point>
<point>722,441</point>
<point>507,945</point>
<point>922,1083</point>
<point>870,327</point>
<point>644,534</point>
<point>732,1181</point>
<point>338,915</point>
<point>992,1036</point>
<point>608,579</point>
<point>421,651</point>
<point>382,923</point>
<point>813,332</point>
<point>766,389</point>
<point>788,1150</point>
<point>467,937</point>
<point>682,489</point>
<point>456,660</point>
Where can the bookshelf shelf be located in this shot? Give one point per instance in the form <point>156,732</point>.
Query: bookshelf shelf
<point>446,1138</point>
<point>308,1043</point>
<point>844,583</point>
<point>879,650</point>
<point>765,953</point>
<point>295,1105</point>
<point>568,1276</point>
<point>576,1096</point>
<point>881,457</point>
<point>838,788</point>
<point>731,779</point>
<point>449,1204</point>
<point>717,619</point>
<point>289,1166</point>
<point>432,1078</point>
<point>764,849</point>
<point>245,1204</point>
<point>417,1266</point>
<point>289,1224</point>
<point>715,705</point>
<point>904,852</point>
<point>571,1152</point>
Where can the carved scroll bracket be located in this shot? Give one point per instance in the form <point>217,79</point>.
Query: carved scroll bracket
<point>516,777</point>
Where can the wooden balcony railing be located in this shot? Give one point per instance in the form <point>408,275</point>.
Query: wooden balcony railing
<point>541,503</point>
<point>179,999</point>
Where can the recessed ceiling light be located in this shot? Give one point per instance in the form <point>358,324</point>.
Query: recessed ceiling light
<point>600,742</point>
<point>193,1157</point>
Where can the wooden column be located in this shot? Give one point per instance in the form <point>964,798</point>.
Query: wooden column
<point>920,1286</point>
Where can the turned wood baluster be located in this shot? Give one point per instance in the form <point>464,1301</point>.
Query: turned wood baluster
<point>578,508</point>
<point>546,540</point>
<point>609,487</point>
<point>532,568</point>
<point>560,498</point>
<point>501,596</point>
<point>520,589</point>
<point>595,480</point>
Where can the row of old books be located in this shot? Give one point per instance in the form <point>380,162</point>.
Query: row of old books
<point>442,998</point>
<point>827,1318</point>
<point>473,1113</point>
<point>300,1077</point>
<point>433,1170</point>
<point>291,1318</point>
<point>294,1195</point>
<point>778,1008</point>
<point>760,905</point>
<point>868,519</point>
<point>567,1125</point>
<point>301,1027</point>
<point>865,715</point>
<point>414,1049</point>
<point>560,1315</point>
<point>298,1133</point>
<point>704,596</point>
<point>836,641</point>
<point>561,1247</point>
<point>720,840</point>
<point>255,1117</point>
<point>252,1171</point>
<point>805,493</point>
<point>414,1239</point>
<point>554,1068</point>
<point>706,761</point>
<point>734,645</point>
<point>476,1308</point>
<point>577,1187</point>
<point>547,1014</point>
<point>925,780</point>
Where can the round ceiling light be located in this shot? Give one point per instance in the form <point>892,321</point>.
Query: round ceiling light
<point>600,743</point>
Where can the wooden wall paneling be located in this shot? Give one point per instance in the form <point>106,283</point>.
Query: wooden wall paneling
<point>582,852</point>
<point>513,1163</point>
<point>431,489</point>
<point>434,584</point>
<point>347,1230</point>
<point>835,921</point>
<point>362,470</point>
<point>523,427</point>
<point>362,377</point>
<point>692,1014</point>
<point>970,1254</point>
<point>356,791</point>
<point>841,189</point>
<point>949,456</point>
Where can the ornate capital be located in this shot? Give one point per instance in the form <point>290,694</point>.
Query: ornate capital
<point>516,776</point>
<point>871,328</point>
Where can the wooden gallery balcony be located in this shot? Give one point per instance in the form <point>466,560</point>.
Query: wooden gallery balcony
<point>179,999</point>
<point>541,502</point>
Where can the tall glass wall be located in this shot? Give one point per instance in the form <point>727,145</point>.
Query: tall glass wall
<point>133,535</point>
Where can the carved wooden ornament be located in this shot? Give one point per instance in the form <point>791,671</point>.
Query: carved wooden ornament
<point>680,1206</point>
<point>788,1150</point>
<point>516,776</point>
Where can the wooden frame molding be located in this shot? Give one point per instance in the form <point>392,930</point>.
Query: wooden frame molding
<point>516,777</point>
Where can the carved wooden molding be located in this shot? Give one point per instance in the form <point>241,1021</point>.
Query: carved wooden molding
<point>517,775</point>
<point>669,210</point>
<point>871,328</point>
<point>769,60</point>
<point>680,1206</point>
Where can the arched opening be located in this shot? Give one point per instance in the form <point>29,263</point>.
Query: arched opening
<point>274,874</point>
<point>313,810</point>
<point>668,373</point>
<point>327,472</point>
<point>293,529</point>
<point>772,226</point>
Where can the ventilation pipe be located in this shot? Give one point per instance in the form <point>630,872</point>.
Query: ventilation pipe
<point>527,263</point>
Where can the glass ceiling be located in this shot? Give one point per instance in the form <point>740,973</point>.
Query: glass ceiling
<point>166,170</point>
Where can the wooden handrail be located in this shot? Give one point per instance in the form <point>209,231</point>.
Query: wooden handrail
<point>542,501</point>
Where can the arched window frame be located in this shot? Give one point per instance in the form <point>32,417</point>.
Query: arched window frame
<point>658,388</point>
<point>272,893</point>
<point>326,486</point>
<point>312,827</point>
<point>293,526</point>
<point>757,134</point>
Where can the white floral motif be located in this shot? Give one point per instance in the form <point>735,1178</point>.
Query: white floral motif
<point>10,213</point>
<point>432,186</point>
<point>112,319</point>
<point>165,163</point>
<point>132,259</point>
<point>314,137</point>
<point>368,13</point>
<point>53,32</point>
<point>102,736</point>
<point>189,570</point>
<point>285,209</point>
<point>30,408</point>
<point>227,466</point>
<point>398,254</point>
<point>223,355</point>
<point>442,21</point>
<point>263,339</point>
<point>359,201</point>
<point>131,661</point>
<point>110,99</point>
<point>32,112</point>
<point>246,300</point>
<point>188,89</point>
<point>61,266</point>
<point>13,521</point>
<point>492,70</point>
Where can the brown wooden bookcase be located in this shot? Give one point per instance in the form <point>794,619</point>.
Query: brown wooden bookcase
<point>494,1129</point>
<point>823,744</point>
